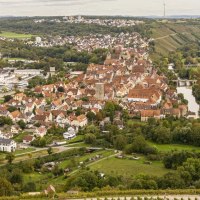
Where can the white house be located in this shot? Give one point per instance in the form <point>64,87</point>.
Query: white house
<point>7,145</point>
<point>71,133</point>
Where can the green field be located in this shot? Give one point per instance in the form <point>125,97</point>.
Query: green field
<point>12,35</point>
<point>171,147</point>
<point>129,168</point>
<point>23,151</point>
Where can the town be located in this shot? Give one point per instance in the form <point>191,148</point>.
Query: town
<point>127,77</point>
<point>103,22</point>
<point>99,106</point>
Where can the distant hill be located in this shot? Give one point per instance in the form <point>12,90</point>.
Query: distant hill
<point>170,35</point>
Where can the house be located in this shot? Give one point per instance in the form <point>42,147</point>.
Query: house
<point>41,131</point>
<point>6,135</point>
<point>146,114</point>
<point>3,111</point>
<point>15,129</point>
<point>80,121</point>
<point>7,145</point>
<point>183,109</point>
<point>16,116</point>
<point>28,139</point>
<point>19,96</point>
<point>144,95</point>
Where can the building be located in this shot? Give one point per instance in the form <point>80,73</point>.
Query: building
<point>52,71</point>
<point>28,139</point>
<point>38,40</point>
<point>99,89</point>
<point>70,134</point>
<point>146,114</point>
<point>7,145</point>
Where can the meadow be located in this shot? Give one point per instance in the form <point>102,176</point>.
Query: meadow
<point>12,35</point>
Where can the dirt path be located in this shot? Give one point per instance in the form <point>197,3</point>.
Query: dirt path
<point>173,34</point>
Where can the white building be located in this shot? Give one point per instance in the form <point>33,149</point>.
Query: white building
<point>7,145</point>
<point>38,40</point>
<point>70,134</point>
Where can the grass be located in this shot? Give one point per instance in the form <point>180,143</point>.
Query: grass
<point>1,101</point>
<point>129,168</point>
<point>78,138</point>
<point>84,158</point>
<point>21,151</point>
<point>171,147</point>
<point>12,35</point>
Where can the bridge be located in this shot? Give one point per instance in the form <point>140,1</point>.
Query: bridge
<point>184,82</point>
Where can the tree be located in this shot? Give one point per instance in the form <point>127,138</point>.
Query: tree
<point>91,116</point>
<point>140,145</point>
<point>120,142</point>
<point>162,135</point>
<point>21,124</point>
<point>7,98</point>
<point>16,176</point>
<point>12,108</point>
<point>50,150</point>
<point>6,188</point>
<point>39,142</point>
<point>29,187</point>
<point>192,165</point>
<point>57,171</point>
<point>61,89</point>
<point>171,180</point>
<point>5,120</point>
<point>86,180</point>
<point>10,157</point>
<point>90,138</point>
<point>109,109</point>
<point>196,135</point>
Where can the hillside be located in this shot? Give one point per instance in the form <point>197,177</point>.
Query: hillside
<point>168,36</point>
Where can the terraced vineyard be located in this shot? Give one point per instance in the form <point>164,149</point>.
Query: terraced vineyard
<point>170,36</point>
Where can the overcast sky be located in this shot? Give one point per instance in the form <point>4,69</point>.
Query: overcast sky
<point>98,7</point>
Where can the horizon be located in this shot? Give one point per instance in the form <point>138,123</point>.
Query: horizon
<point>132,8</point>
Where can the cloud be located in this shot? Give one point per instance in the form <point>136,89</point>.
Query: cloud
<point>97,7</point>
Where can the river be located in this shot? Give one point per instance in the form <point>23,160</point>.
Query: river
<point>192,104</point>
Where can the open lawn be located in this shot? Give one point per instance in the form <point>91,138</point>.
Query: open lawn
<point>21,151</point>
<point>129,168</point>
<point>14,35</point>
<point>170,147</point>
